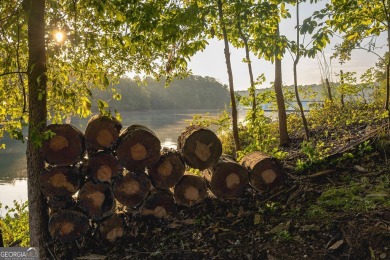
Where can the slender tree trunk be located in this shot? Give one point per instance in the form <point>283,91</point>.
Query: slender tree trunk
<point>230,74</point>
<point>284,139</point>
<point>38,213</point>
<point>252,89</point>
<point>307,133</point>
<point>342,83</point>
<point>1,239</point>
<point>329,90</point>
<point>388,63</point>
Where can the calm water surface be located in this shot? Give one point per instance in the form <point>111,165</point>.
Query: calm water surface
<point>167,125</point>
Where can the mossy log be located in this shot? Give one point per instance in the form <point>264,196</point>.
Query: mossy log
<point>168,170</point>
<point>65,147</point>
<point>67,225</point>
<point>97,199</point>
<point>138,147</point>
<point>265,172</point>
<point>132,188</point>
<point>111,229</point>
<point>200,147</point>
<point>102,133</point>
<point>227,178</point>
<point>159,204</point>
<point>102,166</point>
<point>60,181</point>
<point>190,190</point>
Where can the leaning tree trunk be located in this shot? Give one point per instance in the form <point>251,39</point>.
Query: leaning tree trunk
<point>168,170</point>
<point>329,90</point>
<point>37,79</point>
<point>200,147</point>
<point>265,172</point>
<point>304,121</point>
<point>138,147</point>
<point>97,199</point>
<point>230,74</point>
<point>190,190</point>
<point>284,139</point>
<point>67,225</point>
<point>65,147</point>
<point>102,133</point>
<point>342,86</point>
<point>227,179</point>
<point>159,204</point>
<point>132,188</point>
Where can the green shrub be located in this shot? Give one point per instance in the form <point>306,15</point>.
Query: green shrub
<point>14,224</point>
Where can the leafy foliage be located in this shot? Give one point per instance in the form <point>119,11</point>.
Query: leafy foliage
<point>14,224</point>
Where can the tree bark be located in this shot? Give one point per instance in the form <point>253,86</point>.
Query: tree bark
<point>37,79</point>
<point>329,90</point>
<point>304,121</point>
<point>284,138</point>
<point>230,74</point>
<point>342,83</point>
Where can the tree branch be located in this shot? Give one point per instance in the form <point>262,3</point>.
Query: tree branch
<point>13,72</point>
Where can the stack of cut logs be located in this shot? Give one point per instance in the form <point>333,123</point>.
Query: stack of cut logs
<point>105,166</point>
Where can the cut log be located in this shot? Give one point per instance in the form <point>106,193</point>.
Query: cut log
<point>227,179</point>
<point>66,147</point>
<point>138,147</point>
<point>132,189</point>
<point>60,203</point>
<point>265,172</point>
<point>168,171</point>
<point>102,133</point>
<point>200,147</point>
<point>159,204</point>
<point>68,225</point>
<point>102,166</point>
<point>111,229</point>
<point>60,181</point>
<point>97,199</point>
<point>190,190</point>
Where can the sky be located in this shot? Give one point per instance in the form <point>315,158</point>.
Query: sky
<point>211,62</point>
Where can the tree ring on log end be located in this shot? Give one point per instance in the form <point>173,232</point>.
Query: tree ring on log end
<point>232,181</point>
<point>114,234</point>
<point>58,142</point>
<point>191,193</point>
<point>131,187</point>
<point>104,138</point>
<point>202,151</point>
<point>159,204</point>
<point>66,228</point>
<point>104,173</point>
<point>159,212</point>
<point>269,176</point>
<point>59,181</point>
<point>67,225</point>
<point>138,152</point>
<point>165,169</point>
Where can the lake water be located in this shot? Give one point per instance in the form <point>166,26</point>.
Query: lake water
<point>167,125</point>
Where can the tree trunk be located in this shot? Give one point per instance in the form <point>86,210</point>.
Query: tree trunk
<point>111,229</point>
<point>227,179</point>
<point>388,64</point>
<point>102,133</point>
<point>97,199</point>
<point>1,239</point>
<point>159,204</point>
<point>231,85</point>
<point>304,121</point>
<point>102,167</point>
<point>199,146</point>
<point>132,189</point>
<point>284,139</point>
<point>67,225</point>
<point>38,210</point>
<point>342,83</point>
<point>190,190</point>
<point>329,90</point>
<point>66,147</point>
<point>60,181</point>
<point>168,171</point>
<point>252,89</point>
<point>138,147</point>
<point>265,172</point>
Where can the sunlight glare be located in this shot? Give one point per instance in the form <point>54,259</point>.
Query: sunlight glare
<point>59,36</point>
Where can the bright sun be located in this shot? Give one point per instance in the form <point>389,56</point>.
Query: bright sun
<point>59,36</point>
